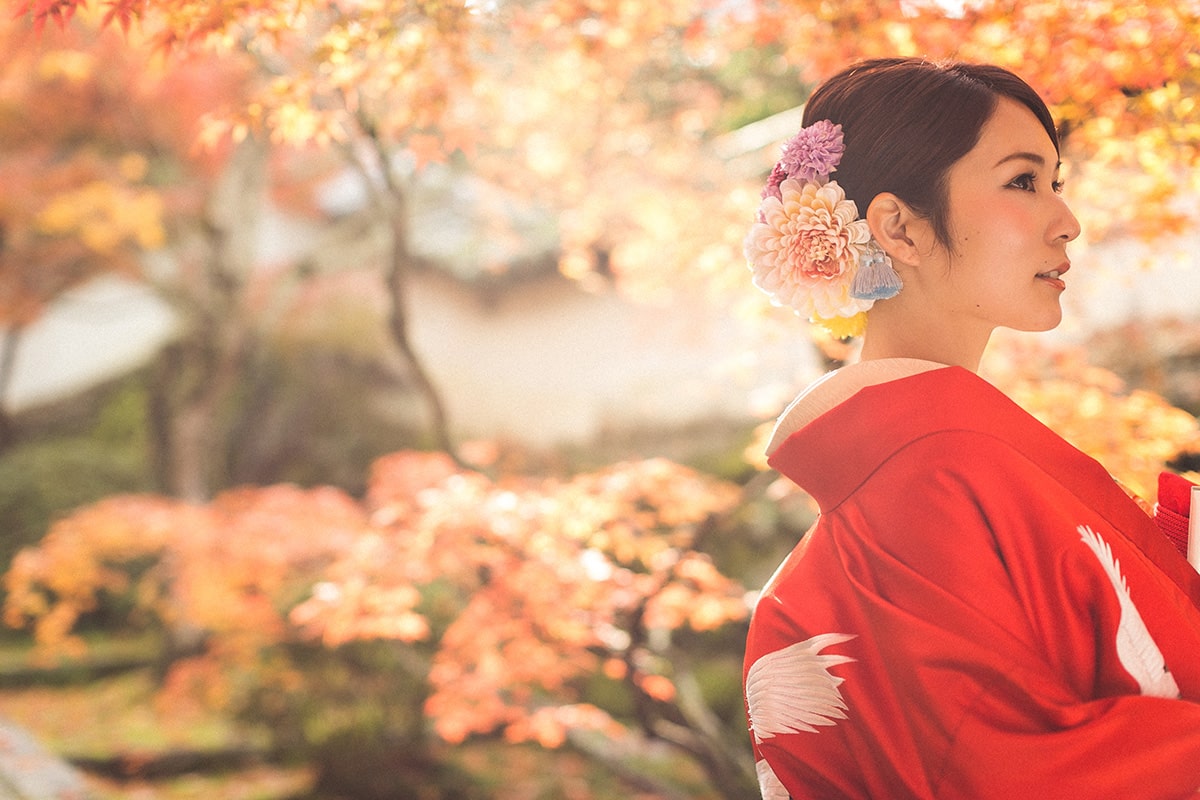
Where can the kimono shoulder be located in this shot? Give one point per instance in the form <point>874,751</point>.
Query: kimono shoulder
<point>977,431</point>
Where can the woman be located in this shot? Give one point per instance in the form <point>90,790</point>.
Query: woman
<point>980,611</point>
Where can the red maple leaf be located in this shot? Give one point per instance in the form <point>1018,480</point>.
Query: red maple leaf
<point>123,12</point>
<point>60,11</point>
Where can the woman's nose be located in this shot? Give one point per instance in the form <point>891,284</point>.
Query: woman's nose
<point>1066,226</point>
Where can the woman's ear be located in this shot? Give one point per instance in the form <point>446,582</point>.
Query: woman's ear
<point>897,229</point>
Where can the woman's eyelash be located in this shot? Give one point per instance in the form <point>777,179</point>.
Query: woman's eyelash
<point>1027,182</point>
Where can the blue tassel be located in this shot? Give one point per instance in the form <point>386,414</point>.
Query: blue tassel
<point>876,279</point>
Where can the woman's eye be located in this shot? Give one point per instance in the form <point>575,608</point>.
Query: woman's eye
<point>1023,182</point>
<point>1057,186</point>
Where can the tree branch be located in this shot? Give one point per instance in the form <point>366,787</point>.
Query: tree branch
<point>390,202</point>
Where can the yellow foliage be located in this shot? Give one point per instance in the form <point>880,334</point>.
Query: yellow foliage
<point>230,569</point>
<point>52,585</point>
<point>105,216</point>
<point>70,65</point>
<point>1132,433</point>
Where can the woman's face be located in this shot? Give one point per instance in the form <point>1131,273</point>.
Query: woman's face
<point>1009,227</point>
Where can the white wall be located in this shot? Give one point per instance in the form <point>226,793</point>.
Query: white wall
<point>552,363</point>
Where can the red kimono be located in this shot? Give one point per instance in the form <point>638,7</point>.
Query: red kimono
<point>979,612</point>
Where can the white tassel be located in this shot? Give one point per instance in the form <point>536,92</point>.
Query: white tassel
<point>876,278</point>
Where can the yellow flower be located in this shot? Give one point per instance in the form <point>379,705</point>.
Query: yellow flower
<point>844,327</point>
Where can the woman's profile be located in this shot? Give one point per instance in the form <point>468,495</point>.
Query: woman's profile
<point>980,610</point>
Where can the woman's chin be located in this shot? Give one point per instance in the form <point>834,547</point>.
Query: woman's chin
<point>1042,323</point>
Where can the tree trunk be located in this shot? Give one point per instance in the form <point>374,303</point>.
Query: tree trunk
<point>197,374</point>
<point>8,360</point>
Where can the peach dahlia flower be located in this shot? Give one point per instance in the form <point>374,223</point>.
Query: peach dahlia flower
<point>804,250</point>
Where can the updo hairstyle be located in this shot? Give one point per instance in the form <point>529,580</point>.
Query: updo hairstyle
<point>906,121</point>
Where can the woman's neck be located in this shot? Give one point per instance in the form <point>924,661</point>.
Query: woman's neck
<point>891,335</point>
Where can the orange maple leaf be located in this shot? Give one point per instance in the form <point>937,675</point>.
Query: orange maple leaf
<point>426,149</point>
<point>60,11</point>
<point>123,12</point>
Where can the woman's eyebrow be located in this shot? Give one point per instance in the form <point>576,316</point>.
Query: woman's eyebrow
<point>1023,155</point>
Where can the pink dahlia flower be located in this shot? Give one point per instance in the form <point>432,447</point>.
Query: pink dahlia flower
<point>804,250</point>
<point>813,152</point>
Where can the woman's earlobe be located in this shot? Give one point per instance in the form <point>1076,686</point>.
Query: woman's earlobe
<point>892,225</point>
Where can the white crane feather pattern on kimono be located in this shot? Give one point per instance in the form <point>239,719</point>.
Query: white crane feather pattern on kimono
<point>792,690</point>
<point>1136,649</point>
<point>768,782</point>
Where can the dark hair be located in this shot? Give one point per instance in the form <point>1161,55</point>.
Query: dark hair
<point>906,121</point>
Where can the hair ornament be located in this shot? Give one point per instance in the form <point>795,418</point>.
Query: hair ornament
<point>809,246</point>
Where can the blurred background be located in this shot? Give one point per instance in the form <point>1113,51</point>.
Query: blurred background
<point>382,389</point>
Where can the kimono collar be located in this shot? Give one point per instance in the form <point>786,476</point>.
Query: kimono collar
<point>837,386</point>
<point>831,455</point>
